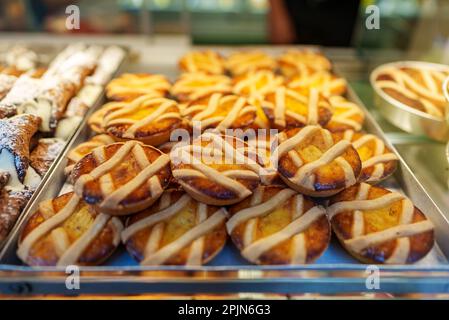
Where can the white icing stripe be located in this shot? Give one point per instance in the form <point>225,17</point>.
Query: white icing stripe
<point>360,243</point>
<point>46,227</point>
<point>358,223</point>
<point>232,114</point>
<point>313,107</point>
<point>298,206</point>
<point>196,232</point>
<point>299,249</point>
<point>248,234</point>
<point>74,252</point>
<point>279,109</point>
<point>196,249</point>
<point>292,142</point>
<point>60,241</point>
<point>154,239</point>
<point>372,204</point>
<point>156,217</point>
<point>257,248</point>
<point>259,210</point>
<point>350,178</point>
<point>187,174</point>
<point>379,159</point>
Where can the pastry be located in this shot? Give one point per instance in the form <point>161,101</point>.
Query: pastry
<point>4,178</point>
<point>415,87</point>
<point>15,137</point>
<point>216,169</point>
<point>378,162</point>
<point>376,225</point>
<point>303,62</point>
<point>327,83</point>
<point>193,86</point>
<point>220,112</point>
<point>346,115</point>
<point>147,119</point>
<point>256,83</point>
<point>6,83</point>
<point>46,152</point>
<point>66,231</point>
<point>95,121</point>
<point>286,108</point>
<point>77,153</point>
<point>279,226</point>
<point>121,178</point>
<point>176,230</point>
<point>129,86</point>
<point>23,92</point>
<point>311,162</point>
<point>12,202</point>
<point>206,61</point>
<point>242,62</point>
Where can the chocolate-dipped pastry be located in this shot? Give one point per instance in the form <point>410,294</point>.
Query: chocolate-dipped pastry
<point>15,136</point>
<point>45,153</point>
<point>12,203</point>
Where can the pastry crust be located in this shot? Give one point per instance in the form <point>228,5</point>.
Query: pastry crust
<point>95,121</point>
<point>147,119</point>
<point>279,226</point>
<point>376,225</point>
<point>220,112</point>
<point>303,62</point>
<point>193,86</point>
<point>176,230</point>
<point>346,115</point>
<point>66,231</point>
<point>206,61</point>
<point>242,62</point>
<point>121,178</point>
<point>286,108</point>
<point>418,88</point>
<point>129,86</point>
<point>324,81</point>
<point>311,162</point>
<point>217,170</point>
<point>256,84</point>
<point>46,152</point>
<point>12,202</point>
<point>378,162</point>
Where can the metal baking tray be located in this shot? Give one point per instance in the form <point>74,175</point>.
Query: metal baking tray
<point>407,118</point>
<point>335,272</point>
<point>52,51</point>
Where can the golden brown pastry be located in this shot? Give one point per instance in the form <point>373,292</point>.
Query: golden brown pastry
<point>346,115</point>
<point>176,230</point>
<point>95,121</point>
<point>129,86</point>
<point>376,225</point>
<point>325,82</point>
<point>216,169</point>
<point>121,178</point>
<point>147,119</point>
<point>279,226</point>
<point>45,153</point>
<point>378,162</point>
<point>194,86</point>
<point>66,231</point>
<point>303,62</point>
<point>310,161</point>
<point>12,202</point>
<point>257,84</point>
<point>241,62</point>
<point>206,61</point>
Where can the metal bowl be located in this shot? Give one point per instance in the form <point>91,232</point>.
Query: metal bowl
<point>405,117</point>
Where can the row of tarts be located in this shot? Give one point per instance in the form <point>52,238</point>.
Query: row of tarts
<point>276,195</point>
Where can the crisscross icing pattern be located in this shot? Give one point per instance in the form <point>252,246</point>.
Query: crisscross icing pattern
<point>257,84</point>
<point>323,81</point>
<point>242,62</point>
<point>206,114</point>
<point>306,62</point>
<point>346,111</point>
<point>147,175</point>
<point>198,85</point>
<point>156,255</point>
<point>69,254</point>
<point>301,220</point>
<point>406,228</point>
<point>158,109</point>
<point>305,176</point>
<point>203,61</point>
<point>137,85</point>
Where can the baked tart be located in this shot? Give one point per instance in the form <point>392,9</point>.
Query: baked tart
<point>129,86</point>
<point>176,230</point>
<point>376,225</point>
<point>310,161</point>
<point>286,108</point>
<point>346,115</point>
<point>215,169</point>
<point>256,84</point>
<point>418,88</point>
<point>378,162</point>
<point>303,62</point>
<point>324,81</point>
<point>95,121</point>
<point>121,178</point>
<point>220,112</point>
<point>147,119</point>
<point>242,62</point>
<point>66,231</point>
<point>77,153</point>
<point>193,86</point>
<point>206,61</point>
<point>279,226</point>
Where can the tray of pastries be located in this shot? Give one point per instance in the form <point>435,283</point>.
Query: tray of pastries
<point>43,99</point>
<point>248,166</point>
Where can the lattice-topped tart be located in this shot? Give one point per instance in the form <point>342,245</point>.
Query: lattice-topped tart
<point>129,86</point>
<point>206,61</point>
